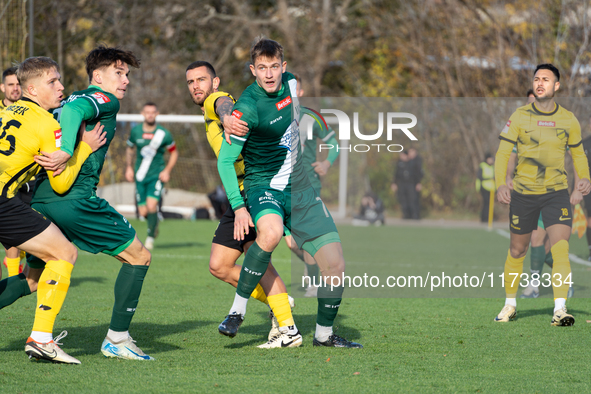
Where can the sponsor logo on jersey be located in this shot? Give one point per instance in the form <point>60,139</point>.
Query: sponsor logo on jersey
<point>546,123</point>
<point>147,136</point>
<point>506,128</point>
<point>237,114</point>
<point>100,97</point>
<point>58,138</point>
<point>283,103</point>
<point>276,120</point>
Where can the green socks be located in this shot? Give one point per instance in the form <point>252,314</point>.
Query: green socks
<point>128,287</point>
<point>254,267</point>
<point>13,288</point>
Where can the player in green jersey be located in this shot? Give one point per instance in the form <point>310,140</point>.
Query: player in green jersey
<point>150,173</point>
<point>87,220</point>
<point>313,130</point>
<point>278,194</point>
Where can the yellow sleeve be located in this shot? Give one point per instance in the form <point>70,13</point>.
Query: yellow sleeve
<point>501,162</point>
<point>209,104</point>
<point>575,144</point>
<point>64,181</point>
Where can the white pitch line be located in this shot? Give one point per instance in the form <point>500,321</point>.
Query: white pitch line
<point>573,258</point>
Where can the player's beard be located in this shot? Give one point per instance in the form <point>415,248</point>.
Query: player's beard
<point>205,96</point>
<point>151,123</point>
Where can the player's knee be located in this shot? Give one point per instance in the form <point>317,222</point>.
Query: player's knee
<point>518,251</point>
<point>268,239</point>
<point>218,269</point>
<point>70,254</point>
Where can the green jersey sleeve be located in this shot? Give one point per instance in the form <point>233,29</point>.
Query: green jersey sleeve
<point>73,113</point>
<point>228,155</point>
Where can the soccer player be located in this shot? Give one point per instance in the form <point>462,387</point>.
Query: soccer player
<point>587,198</point>
<point>151,173</point>
<point>278,193</point>
<point>87,220</point>
<point>225,250</point>
<point>321,133</point>
<point>12,92</point>
<point>542,131</point>
<point>28,127</point>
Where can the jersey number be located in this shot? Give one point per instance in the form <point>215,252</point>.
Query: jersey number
<point>10,138</point>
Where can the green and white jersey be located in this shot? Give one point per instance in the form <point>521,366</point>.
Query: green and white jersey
<point>150,147</point>
<point>91,105</point>
<point>271,149</point>
<point>313,127</point>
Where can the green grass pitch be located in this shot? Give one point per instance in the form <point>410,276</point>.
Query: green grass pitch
<point>417,344</point>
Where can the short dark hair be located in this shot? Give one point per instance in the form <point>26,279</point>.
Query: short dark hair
<point>548,66</point>
<point>530,92</point>
<point>264,47</point>
<point>103,56</point>
<point>35,67</point>
<point>150,104</point>
<point>202,63</point>
<point>8,72</point>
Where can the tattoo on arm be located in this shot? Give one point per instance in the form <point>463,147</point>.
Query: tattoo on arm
<point>224,106</point>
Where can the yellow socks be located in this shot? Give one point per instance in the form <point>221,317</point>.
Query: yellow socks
<point>259,294</point>
<point>12,265</point>
<point>512,276</point>
<point>51,293</point>
<point>562,267</point>
<point>281,309</point>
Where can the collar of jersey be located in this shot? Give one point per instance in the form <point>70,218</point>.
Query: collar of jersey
<point>536,110</point>
<point>95,87</point>
<point>29,100</point>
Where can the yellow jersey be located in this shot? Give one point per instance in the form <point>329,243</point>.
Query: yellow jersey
<point>215,132</point>
<point>542,139</point>
<point>26,129</point>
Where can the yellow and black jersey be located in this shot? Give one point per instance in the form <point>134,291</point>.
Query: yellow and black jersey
<point>215,132</point>
<point>26,128</point>
<point>542,139</point>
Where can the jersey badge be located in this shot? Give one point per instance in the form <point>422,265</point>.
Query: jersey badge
<point>237,114</point>
<point>58,138</point>
<point>506,128</point>
<point>100,97</point>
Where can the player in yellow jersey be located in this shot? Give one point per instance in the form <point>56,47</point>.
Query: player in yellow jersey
<point>12,92</point>
<point>27,128</point>
<point>542,131</point>
<point>225,250</point>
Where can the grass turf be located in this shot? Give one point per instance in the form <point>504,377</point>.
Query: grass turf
<point>411,344</point>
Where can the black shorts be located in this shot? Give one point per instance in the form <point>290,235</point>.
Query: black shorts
<point>19,222</point>
<point>525,210</point>
<point>224,234</point>
<point>25,193</point>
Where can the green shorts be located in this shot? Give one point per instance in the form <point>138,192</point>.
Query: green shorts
<point>303,212</point>
<point>148,188</point>
<point>91,224</point>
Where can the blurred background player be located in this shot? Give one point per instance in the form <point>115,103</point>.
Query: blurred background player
<point>407,181</point>
<point>12,92</point>
<point>587,198</point>
<point>533,194</point>
<point>322,133</point>
<point>485,184</point>
<point>148,142</point>
<point>28,129</point>
<point>225,250</point>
